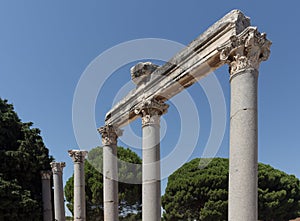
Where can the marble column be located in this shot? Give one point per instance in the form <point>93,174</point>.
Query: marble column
<point>46,194</point>
<point>151,191</point>
<point>78,157</point>
<point>59,206</point>
<point>244,54</point>
<point>110,135</point>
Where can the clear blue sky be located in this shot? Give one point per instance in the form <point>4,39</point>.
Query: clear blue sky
<point>46,46</point>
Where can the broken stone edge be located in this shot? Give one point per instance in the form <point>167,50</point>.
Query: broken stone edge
<point>194,62</point>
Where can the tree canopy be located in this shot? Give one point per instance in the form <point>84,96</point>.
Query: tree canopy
<point>23,156</point>
<point>195,192</point>
<point>130,195</point>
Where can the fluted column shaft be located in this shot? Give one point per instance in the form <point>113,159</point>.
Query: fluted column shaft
<point>59,206</point>
<point>78,157</point>
<point>244,55</point>
<point>46,194</point>
<point>151,190</point>
<point>110,172</point>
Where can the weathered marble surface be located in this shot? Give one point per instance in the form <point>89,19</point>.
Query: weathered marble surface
<point>230,41</point>
<point>78,157</point>
<point>110,136</point>
<point>197,60</point>
<point>244,53</point>
<point>46,194</point>
<point>59,206</point>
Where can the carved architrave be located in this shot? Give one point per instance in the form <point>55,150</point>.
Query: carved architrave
<point>110,134</point>
<point>246,50</point>
<point>151,111</point>
<point>78,156</point>
<point>57,167</point>
<point>46,174</point>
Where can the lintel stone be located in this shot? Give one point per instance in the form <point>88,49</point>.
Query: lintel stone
<point>198,59</point>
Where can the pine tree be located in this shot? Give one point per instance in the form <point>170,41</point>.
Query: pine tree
<point>22,156</point>
<point>195,192</point>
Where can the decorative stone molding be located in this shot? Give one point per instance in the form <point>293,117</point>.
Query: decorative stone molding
<point>57,167</point>
<point>246,50</point>
<point>187,67</point>
<point>46,174</point>
<point>151,111</point>
<point>110,134</point>
<point>78,156</point>
<point>140,72</point>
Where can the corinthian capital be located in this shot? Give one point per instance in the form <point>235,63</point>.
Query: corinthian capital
<point>110,134</point>
<point>57,167</point>
<point>246,50</point>
<point>78,156</point>
<point>46,174</point>
<point>151,111</point>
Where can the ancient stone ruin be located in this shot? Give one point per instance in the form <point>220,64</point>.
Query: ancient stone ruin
<point>231,40</point>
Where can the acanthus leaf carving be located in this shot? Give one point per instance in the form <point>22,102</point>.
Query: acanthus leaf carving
<point>246,50</point>
<point>110,134</point>
<point>57,167</point>
<point>46,174</point>
<point>78,156</point>
<point>151,111</point>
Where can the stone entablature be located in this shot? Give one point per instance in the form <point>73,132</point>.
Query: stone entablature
<point>197,60</point>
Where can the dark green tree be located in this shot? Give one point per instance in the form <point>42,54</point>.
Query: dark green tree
<point>22,156</point>
<point>129,193</point>
<point>278,193</point>
<point>198,191</point>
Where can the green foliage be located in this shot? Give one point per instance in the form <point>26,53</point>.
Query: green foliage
<point>195,192</point>
<point>191,192</point>
<point>132,217</point>
<point>22,155</point>
<point>279,194</point>
<point>129,194</point>
<point>68,192</point>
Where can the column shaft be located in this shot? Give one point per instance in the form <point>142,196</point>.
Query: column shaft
<point>151,112</point>
<point>110,172</point>
<point>59,206</point>
<point>78,157</point>
<point>79,192</point>
<point>244,53</point>
<point>46,193</point>
<point>151,195</point>
<point>243,147</point>
<point>110,183</point>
